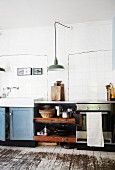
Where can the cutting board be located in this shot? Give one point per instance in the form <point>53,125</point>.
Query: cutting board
<point>57,93</point>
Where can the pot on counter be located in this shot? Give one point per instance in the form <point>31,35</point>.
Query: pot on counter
<point>65,114</point>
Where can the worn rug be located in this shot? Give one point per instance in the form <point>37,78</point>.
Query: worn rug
<point>13,159</point>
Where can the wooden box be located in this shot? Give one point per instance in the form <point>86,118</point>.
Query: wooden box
<point>57,93</point>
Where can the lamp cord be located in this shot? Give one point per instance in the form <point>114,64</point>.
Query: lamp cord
<point>56,37</point>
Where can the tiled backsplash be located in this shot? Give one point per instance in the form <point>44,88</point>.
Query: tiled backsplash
<point>88,75</point>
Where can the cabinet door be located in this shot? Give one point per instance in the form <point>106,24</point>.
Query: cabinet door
<point>21,123</point>
<point>2,124</point>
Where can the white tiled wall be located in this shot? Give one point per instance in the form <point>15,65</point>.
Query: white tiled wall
<point>85,51</point>
<point>90,62</point>
<point>88,75</point>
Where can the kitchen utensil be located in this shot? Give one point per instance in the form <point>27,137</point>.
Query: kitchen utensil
<point>61,132</point>
<point>65,115</point>
<point>45,131</point>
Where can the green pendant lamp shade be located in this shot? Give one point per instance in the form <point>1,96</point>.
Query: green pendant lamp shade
<point>2,69</point>
<point>56,66</point>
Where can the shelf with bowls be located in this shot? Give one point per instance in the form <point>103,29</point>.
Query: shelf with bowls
<point>50,126</point>
<point>56,120</point>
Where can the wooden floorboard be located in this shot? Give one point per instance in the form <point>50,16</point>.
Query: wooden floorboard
<point>49,158</point>
<point>59,149</point>
<point>97,154</point>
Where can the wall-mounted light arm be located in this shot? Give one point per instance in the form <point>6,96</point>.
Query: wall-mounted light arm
<point>56,37</point>
<point>56,66</point>
<point>2,69</point>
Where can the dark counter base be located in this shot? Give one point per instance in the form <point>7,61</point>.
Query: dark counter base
<point>107,147</point>
<point>22,143</point>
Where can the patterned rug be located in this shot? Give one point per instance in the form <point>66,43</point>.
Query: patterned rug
<point>11,159</point>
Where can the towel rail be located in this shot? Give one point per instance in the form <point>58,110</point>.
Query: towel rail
<point>93,107</point>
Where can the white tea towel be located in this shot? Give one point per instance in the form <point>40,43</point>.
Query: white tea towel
<point>94,129</point>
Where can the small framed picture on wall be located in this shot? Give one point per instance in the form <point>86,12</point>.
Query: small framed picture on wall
<point>37,71</point>
<point>24,71</point>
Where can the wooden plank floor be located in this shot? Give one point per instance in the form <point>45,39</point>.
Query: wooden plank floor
<point>52,162</point>
<point>59,149</point>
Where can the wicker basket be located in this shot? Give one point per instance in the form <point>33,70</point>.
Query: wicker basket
<point>47,113</point>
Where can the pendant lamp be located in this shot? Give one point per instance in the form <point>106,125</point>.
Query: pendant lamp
<point>56,66</point>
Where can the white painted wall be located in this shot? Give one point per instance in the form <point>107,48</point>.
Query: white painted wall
<point>90,62</point>
<point>35,13</point>
<point>86,49</point>
<point>25,48</point>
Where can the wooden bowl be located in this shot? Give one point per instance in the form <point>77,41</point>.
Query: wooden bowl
<point>47,113</point>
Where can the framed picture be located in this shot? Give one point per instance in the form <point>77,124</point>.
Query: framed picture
<point>24,71</point>
<point>37,71</point>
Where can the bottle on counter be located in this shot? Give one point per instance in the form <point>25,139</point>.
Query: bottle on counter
<point>70,111</point>
<point>112,94</point>
<point>45,131</point>
<point>58,110</point>
<point>110,91</point>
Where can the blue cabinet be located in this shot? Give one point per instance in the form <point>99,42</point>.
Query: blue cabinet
<point>2,124</point>
<point>21,123</point>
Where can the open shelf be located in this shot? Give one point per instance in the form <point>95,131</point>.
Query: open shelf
<point>55,120</point>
